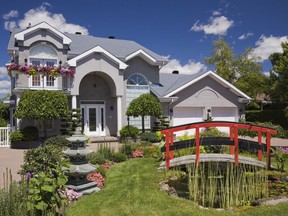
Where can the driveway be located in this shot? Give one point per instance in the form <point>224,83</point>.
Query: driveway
<point>11,159</point>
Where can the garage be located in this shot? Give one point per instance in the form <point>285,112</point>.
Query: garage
<point>224,114</point>
<point>186,115</point>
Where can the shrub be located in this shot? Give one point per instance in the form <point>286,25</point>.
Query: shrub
<point>101,170</point>
<point>150,137</point>
<point>106,152</point>
<point>59,140</point>
<point>185,136</point>
<point>3,123</point>
<point>96,158</point>
<point>30,133</point>
<point>151,151</point>
<point>127,149</point>
<point>129,131</point>
<point>45,177</point>
<point>118,157</point>
<point>16,136</point>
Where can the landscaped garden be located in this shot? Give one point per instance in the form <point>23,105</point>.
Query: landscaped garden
<point>131,184</point>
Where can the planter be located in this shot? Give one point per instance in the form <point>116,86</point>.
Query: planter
<point>25,144</point>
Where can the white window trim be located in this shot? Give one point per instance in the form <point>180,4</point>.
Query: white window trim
<point>43,78</point>
<point>48,129</point>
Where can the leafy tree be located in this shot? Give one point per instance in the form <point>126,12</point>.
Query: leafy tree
<point>222,58</point>
<point>42,105</point>
<point>249,77</point>
<point>144,105</point>
<point>241,70</point>
<point>278,82</point>
<point>4,112</point>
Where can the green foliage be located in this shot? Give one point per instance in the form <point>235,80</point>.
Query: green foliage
<point>30,133</point>
<point>129,131</point>
<point>278,86</point>
<point>280,157</point>
<point>16,136</point>
<point>185,136</point>
<point>144,105</point>
<point>150,137</point>
<point>42,104</point>
<point>101,170</point>
<point>3,123</point>
<point>118,157</point>
<point>43,172</point>
<point>213,132</point>
<point>48,159</point>
<point>276,117</point>
<point>4,112</point>
<point>128,148</point>
<point>96,158</point>
<point>241,70</point>
<point>151,151</point>
<point>106,152</point>
<point>59,141</point>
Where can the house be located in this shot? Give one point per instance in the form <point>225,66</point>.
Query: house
<point>101,76</point>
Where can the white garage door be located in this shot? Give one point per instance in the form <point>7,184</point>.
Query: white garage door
<point>186,115</point>
<point>224,114</point>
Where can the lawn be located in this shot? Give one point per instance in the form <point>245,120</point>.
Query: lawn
<point>132,188</point>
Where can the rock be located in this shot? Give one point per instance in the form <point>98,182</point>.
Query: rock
<point>164,187</point>
<point>172,192</point>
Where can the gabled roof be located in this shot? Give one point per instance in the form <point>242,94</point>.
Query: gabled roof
<point>73,62</point>
<point>174,83</point>
<point>122,49</point>
<point>43,25</point>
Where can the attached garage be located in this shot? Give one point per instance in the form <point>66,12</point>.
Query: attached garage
<point>186,115</point>
<point>224,114</point>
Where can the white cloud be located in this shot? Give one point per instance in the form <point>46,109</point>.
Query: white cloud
<point>40,14</point>
<point>4,81</point>
<point>266,46</point>
<point>216,13</point>
<point>245,36</point>
<point>191,67</point>
<point>8,25</point>
<point>216,25</point>
<point>11,14</point>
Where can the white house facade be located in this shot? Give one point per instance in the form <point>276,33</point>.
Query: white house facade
<point>101,76</point>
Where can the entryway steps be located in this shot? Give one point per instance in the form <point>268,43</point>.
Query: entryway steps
<point>103,139</point>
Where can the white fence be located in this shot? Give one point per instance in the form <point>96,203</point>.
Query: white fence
<point>4,136</point>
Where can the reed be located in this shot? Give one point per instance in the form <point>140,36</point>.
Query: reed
<point>222,185</point>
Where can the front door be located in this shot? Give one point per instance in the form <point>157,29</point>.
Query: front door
<point>93,119</point>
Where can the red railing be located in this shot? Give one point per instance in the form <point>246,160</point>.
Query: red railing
<point>233,130</point>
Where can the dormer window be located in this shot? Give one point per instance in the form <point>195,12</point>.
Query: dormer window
<point>45,56</point>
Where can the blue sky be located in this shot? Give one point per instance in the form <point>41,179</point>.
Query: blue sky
<point>182,30</point>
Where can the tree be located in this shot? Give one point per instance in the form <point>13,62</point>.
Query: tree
<point>242,70</point>
<point>144,105</point>
<point>278,81</point>
<point>222,58</point>
<point>42,105</point>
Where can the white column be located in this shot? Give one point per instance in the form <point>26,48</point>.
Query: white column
<point>17,126</point>
<point>74,102</point>
<point>119,114</point>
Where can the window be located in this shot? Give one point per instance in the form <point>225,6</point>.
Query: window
<point>44,55</point>
<point>136,86</point>
<point>43,80</point>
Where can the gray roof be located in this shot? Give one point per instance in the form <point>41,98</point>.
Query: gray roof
<point>81,43</point>
<point>170,82</point>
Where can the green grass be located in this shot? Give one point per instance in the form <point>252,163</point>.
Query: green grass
<point>132,188</point>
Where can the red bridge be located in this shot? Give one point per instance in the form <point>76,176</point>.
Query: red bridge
<point>233,140</point>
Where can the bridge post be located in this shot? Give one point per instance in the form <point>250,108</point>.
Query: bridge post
<point>260,144</point>
<point>268,144</point>
<point>236,147</point>
<point>169,141</point>
<point>231,138</point>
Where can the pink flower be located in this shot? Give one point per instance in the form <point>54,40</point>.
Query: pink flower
<point>97,177</point>
<point>137,153</point>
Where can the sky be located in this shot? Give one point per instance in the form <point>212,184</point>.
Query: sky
<point>181,30</point>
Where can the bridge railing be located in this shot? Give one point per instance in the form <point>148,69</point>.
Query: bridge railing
<point>233,138</point>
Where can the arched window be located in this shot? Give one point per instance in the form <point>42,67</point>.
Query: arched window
<point>43,55</point>
<point>137,85</point>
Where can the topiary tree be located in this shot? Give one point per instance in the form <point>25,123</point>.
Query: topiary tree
<point>144,105</point>
<point>42,105</point>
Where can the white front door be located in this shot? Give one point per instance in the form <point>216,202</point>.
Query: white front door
<point>93,119</point>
